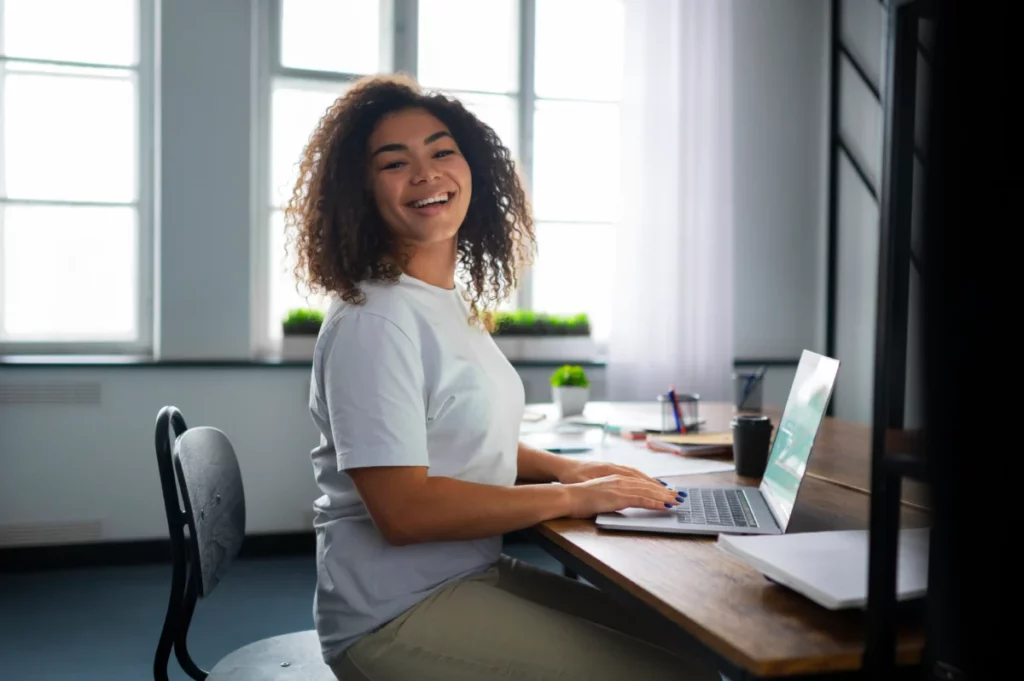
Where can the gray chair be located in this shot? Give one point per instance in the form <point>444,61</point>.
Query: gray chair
<point>200,465</point>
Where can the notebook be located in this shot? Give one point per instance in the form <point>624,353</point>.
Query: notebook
<point>692,444</point>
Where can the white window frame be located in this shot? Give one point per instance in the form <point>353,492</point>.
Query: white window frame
<point>404,14</point>
<point>145,112</point>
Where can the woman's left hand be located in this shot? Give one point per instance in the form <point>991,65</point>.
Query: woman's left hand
<point>581,471</point>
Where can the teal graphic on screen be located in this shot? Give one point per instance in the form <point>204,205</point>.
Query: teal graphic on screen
<point>794,437</point>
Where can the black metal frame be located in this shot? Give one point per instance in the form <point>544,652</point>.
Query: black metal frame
<point>170,425</point>
<point>837,146</point>
<point>888,468</point>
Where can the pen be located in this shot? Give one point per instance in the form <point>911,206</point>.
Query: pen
<point>749,385</point>
<point>675,408</point>
<point>567,450</point>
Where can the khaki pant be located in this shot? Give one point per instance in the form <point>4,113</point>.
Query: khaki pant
<point>517,621</point>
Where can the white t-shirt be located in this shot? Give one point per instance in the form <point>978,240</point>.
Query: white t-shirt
<point>402,380</point>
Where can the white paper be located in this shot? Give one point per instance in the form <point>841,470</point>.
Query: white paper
<point>656,464</point>
<point>611,449</point>
<point>629,415</point>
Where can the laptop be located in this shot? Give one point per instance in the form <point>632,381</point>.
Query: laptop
<point>739,509</point>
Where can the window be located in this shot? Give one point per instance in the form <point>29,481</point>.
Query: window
<point>568,146</point>
<point>74,221</point>
<point>320,47</point>
<point>576,177</point>
<point>488,83</point>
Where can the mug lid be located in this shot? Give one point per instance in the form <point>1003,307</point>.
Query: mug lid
<point>751,420</point>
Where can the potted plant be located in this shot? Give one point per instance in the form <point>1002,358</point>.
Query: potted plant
<point>528,335</point>
<point>300,328</point>
<point>570,390</point>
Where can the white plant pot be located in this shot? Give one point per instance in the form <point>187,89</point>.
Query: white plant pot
<point>570,400</point>
<point>550,348</point>
<point>298,346</point>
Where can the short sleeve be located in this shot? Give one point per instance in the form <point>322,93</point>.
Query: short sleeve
<point>374,389</point>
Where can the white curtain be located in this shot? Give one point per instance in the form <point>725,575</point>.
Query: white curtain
<point>673,310</point>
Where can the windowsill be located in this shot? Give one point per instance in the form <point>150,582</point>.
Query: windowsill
<point>116,361</point>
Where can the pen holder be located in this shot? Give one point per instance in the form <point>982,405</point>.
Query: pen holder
<point>747,391</point>
<point>689,411</point>
<point>668,419</point>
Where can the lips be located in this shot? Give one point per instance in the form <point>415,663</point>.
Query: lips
<point>439,198</point>
<point>428,206</point>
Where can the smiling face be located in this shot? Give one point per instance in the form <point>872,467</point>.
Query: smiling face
<point>421,182</point>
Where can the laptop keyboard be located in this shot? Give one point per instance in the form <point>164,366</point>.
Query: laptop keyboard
<point>709,506</point>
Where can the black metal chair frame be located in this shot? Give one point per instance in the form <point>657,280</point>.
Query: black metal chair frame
<point>170,425</point>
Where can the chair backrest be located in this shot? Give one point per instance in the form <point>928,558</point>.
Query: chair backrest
<point>202,491</point>
<point>211,488</point>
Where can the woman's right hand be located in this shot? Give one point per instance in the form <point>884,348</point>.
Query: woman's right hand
<point>616,492</point>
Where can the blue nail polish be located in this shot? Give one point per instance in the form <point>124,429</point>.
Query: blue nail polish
<point>679,499</point>
<point>680,493</point>
<point>663,482</point>
<point>668,505</point>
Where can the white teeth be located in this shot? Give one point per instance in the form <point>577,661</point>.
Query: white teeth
<point>441,198</point>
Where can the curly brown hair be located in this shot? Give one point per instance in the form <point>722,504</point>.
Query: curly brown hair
<point>338,234</point>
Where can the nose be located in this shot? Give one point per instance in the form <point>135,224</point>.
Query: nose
<point>425,172</point>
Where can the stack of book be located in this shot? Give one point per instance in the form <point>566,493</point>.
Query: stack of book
<point>692,444</point>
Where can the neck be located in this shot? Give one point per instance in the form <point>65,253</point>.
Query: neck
<point>434,263</point>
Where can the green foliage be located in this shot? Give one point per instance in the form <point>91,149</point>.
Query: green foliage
<point>302,320</point>
<point>529,323</point>
<point>569,375</point>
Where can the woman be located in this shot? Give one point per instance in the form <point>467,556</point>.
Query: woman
<point>419,413</point>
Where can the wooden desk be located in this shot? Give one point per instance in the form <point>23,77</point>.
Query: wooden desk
<point>842,453</point>
<point>754,628</point>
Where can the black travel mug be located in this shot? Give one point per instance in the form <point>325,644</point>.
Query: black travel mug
<point>751,438</point>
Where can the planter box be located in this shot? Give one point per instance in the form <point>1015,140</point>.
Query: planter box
<point>553,348</point>
<point>298,346</point>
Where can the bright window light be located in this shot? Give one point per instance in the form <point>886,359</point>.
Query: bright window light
<point>85,31</point>
<point>449,30</point>
<point>69,273</point>
<point>70,138</point>
<point>576,161</point>
<point>580,49</point>
<point>573,272</point>
<point>343,36</point>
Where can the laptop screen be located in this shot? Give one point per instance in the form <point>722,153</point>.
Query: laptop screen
<point>794,436</point>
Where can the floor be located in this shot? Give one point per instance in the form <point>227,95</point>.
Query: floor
<point>103,623</point>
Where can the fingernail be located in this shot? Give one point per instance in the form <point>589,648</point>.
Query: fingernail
<point>662,482</point>
<point>679,499</point>
<point>680,492</point>
<point>668,505</point>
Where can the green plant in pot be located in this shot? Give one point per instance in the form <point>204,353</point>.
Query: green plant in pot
<point>529,323</point>
<point>570,390</point>
<point>300,327</point>
<point>302,321</point>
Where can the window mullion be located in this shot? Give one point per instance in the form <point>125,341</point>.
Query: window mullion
<point>406,38</point>
<point>527,98</point>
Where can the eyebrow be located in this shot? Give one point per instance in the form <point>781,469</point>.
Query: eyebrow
<point>401,147</point>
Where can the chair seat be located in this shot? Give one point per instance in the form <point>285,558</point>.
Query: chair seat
<point>289,657</point>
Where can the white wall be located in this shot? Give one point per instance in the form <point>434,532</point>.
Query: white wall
<point>62,467</point>
<point>781,160</point>
<point>86,472</point>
